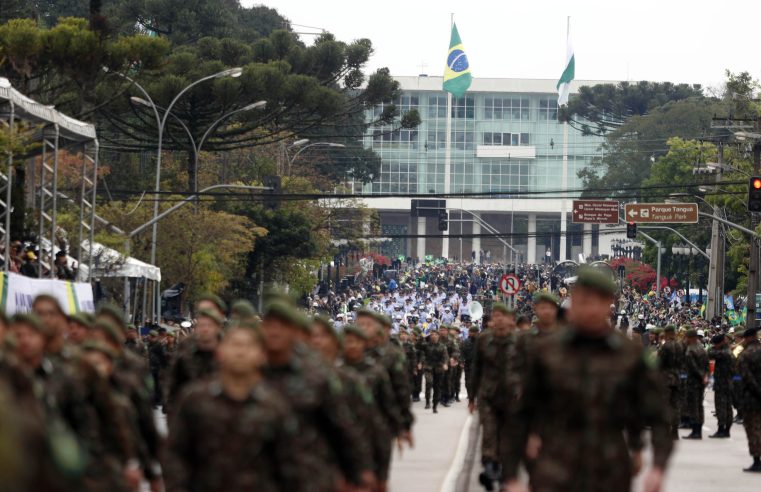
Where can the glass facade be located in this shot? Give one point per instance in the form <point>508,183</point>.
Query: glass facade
<point>501,141</point>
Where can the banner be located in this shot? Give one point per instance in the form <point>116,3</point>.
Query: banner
<point>17,293</point>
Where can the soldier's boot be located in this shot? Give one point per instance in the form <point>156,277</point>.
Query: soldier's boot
<point>697,432</point>
<point>489,475</point>
<point>445,404</point>
<point>685,424</point>
<point>718,434</point>
<point>427,404</point>
<point>435,408</point>
<point>726,429</point>
<point>755,467</point>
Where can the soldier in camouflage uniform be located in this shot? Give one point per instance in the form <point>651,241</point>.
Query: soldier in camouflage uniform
<point>417,385</point>
<point>446,389</point>
<point>724,368</point>
<point>328,444</point>
<point>376,377</point>
<point>392,358</point>
<point>233,432</point>
<point>591,393</point>
<point>434,363</point>
<point>410,353</point>
<point>455,363</point>
<point>496,384</point>
<point>466,354</point>
<point>670,364</point>
<point>194,359</point>
<point>696,363</point>
<point>749,367</point>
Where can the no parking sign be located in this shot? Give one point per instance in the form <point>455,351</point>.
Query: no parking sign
<point>509,284</point>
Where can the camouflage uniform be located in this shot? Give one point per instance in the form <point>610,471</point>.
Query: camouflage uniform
<point>328,441</point>
<point>391,422</point>
<point>495,383</point>
<point>158,360</point>
<point>453,374</point>
<point>696,363</point>
<point>466,354</point>
<point>670,366</point>
<point>218,443</point>
<point>724,368</point>
<point>190,364</point>
<point>749,367</point>
<point>411,355</point>
<point>392,358</point>
<point>590,399</point>
<point>435,355</point>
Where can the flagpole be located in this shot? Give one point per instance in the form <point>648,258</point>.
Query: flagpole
<point>448,164</point>
<point>564,182</point>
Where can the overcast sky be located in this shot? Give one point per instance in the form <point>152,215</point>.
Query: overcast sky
<point>662,40</point>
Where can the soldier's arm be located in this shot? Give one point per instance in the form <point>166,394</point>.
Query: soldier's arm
<point>352,453</point>
<point>648,408</point>
<point>386,400</point>
<point>400,385</point>
<point>749,371</point>
<point>175,378</point>
<point>515,435</point>
<point>691,364</point>
<point>178,459</point>
<point>475,371</point>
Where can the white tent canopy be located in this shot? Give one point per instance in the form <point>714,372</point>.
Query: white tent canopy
<point>108,262</point>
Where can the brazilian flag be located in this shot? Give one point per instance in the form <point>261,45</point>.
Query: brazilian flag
<point>457,75</point>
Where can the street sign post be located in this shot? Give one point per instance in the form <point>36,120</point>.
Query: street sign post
<point>595,211</point>
<point>509,284</point>
<point>661,213</point>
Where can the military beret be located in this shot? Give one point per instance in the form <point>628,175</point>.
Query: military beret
<point>669,329</point>
<point>285,312</point>
<point>716,339</point>
<point>214,299</point>
<point>691,333</point>
<point>595,279</point>
<point>97,346</point>
<point>208,313</point>
<point>546,297</point>
<point>81,319</point>
<point>502,309</point>
<point>31,320</point>
<point>355,330</point>
<point>242,309</point>
<point>113,311</point>
<point>750,332</point>
<point>113,333</point>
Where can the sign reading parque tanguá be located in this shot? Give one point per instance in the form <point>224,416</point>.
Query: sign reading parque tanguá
<point>661,213</point>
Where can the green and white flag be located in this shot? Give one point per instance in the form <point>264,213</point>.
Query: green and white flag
<point>564,84</point>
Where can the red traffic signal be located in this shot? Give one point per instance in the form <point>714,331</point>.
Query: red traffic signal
<point>756,183</point>
<point>754,194</point>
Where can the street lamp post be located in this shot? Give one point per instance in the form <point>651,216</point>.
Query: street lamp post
<point>304,145</point>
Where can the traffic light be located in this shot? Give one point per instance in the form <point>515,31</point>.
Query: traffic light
<point>443,220</point>
<point>754,194</point>
<point>273,182</point>
<point>631,230</point>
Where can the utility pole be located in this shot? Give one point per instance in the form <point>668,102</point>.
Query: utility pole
<point>715,268</point>
<point>750,320</point>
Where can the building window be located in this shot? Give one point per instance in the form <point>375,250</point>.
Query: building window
<point>506,108</point>
<point>437,107</point>
<point>548,109</point>
<point>463,107</point>
<point>436,140</point>
<point>490,138</point>
<point>462,140</point>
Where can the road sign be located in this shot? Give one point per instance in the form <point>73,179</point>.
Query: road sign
<point>595,211</point>
<point>661,213</point>
<point>509,284</point>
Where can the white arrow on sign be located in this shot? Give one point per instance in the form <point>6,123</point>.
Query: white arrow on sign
<point>633,212</point>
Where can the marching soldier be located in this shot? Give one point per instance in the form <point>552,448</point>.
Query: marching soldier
<point>434,366</point>
<point>468,351</point>
<point>495,383</point>
<point>670,364</point>
<point>696,363</point>
<point>724,368</point>
<point>749,367</point>
<point>590,393</point>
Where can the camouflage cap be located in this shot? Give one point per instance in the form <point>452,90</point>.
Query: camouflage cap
<point>31,320</point>
<point>100,347</point>
<point>112,332</point>
<point>543,296</point>
<point>473,329</point>
<point>242,309</point>
<point>354,330</point>
<point>115,312</point>
<point>81,319</point>
<point>595,279</point>
<point>669,329</point>
<point>212,315</point>
<point>327,323</point>
<point>283,311</point>
<point>691,333</point>
<point>153,333</point>
<point>214,299</point>
<point>502,308</point>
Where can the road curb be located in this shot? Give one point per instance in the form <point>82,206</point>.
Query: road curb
<point>469,460</point>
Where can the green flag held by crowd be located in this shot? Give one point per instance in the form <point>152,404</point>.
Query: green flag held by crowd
<point>457,77</point>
